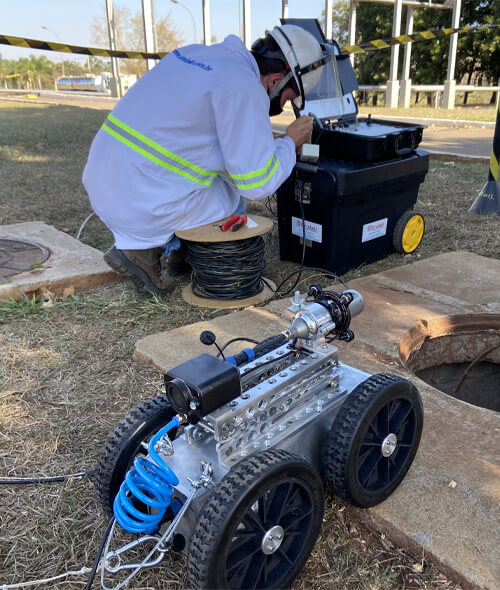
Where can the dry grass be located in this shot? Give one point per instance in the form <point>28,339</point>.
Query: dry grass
<point>66,375</point>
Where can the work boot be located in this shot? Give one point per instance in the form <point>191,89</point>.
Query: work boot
<point>143,267</point>
<point>175,262</point>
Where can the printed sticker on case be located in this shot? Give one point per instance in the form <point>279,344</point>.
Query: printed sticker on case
<point>314,231</point>
<point>374,229</point>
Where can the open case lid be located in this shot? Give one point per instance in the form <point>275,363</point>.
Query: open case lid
<point>331,98</point>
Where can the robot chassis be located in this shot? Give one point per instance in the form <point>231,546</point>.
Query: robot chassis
<point>247,441</point>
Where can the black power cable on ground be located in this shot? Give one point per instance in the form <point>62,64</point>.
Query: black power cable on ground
<point>97,558</point>
<point>37,480</point>
<point>298,272</point>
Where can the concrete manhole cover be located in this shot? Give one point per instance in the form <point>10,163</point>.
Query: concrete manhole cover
<point>18,255</point>
<point>459,355</point>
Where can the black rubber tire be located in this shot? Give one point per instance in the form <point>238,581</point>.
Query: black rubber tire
<point>267,482</point>
<point>399,228</point>
<point>124,444</point>
<point>361,424</point>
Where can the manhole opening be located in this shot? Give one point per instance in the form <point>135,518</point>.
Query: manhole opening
<point>459,355</point>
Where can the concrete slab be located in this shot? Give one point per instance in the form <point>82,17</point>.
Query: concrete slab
<point>167,349</point>
<point>70,264</point>
<point>448,504</point>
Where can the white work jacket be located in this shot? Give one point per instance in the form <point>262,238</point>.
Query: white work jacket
<point>156,164</point>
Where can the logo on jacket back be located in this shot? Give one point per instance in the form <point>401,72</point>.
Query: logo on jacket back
<point>191,62</point>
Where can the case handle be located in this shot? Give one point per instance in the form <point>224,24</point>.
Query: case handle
<point>403,151</point>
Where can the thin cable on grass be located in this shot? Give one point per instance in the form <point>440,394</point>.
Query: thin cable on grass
<point>79,232</point>
<point>97,558</point>
<point>34,480</point>
<point>82,572</point>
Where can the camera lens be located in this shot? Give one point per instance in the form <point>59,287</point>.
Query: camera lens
<point>179,395</point>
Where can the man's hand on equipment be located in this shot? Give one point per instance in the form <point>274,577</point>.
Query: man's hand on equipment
<point>300,130</point>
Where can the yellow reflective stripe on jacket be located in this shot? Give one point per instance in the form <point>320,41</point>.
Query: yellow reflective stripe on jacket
<point>157,153</point>
<point>247,178</point>
<point>254,173</point>
<point>153,158</point>
<point>262,181</point>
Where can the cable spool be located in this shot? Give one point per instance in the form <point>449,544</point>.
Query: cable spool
<point>227,266</point>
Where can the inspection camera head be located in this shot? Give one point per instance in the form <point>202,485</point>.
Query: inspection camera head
<point>200,385</point>
<point>329,314</point>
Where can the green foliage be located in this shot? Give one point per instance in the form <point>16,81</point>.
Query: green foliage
<point>429,59</point>
<point>12,309</point>
<point>373,22</point>
<point>38,71</point>
<point>478,54</point>
<point>340,21</point>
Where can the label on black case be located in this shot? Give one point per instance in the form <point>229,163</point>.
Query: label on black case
<point>313,231</point>
<point>374,229</point>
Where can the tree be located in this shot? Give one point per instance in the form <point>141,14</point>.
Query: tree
<point>340,21</point>
<point>130,36</point>
<point>478,54</point>
<point>373,22</point>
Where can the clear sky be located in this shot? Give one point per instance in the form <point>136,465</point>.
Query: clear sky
<point>68,21</point>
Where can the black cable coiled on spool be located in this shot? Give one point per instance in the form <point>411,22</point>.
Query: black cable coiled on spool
<point>227,270</point>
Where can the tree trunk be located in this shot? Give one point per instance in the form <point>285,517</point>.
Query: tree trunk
<point>466,94</point>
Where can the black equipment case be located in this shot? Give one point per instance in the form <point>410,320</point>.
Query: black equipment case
<point>368,139</point>
<point>350,209</point>
<point>366,179</point>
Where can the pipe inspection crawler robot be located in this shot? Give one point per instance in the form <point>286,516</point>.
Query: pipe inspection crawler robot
<point>227,465</point>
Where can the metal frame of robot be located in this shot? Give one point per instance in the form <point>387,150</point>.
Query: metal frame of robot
<point>290,403</point>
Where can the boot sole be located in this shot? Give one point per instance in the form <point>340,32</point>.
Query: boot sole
<point>122,265</point>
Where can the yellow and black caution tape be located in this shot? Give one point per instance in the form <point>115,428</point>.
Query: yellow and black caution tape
<point>364,47</point>
<point>377,44</point>
<point>64,48</point>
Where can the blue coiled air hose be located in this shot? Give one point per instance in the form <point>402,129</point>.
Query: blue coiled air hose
<point>149,482</point>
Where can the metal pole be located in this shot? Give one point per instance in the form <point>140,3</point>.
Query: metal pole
<point>116,89</point>
<point>451,83</point>
<point>149,36</point>
<point>328,19</point>
<point>392,92</point>
<point>247,24</point>
<point>405,90</point>
<point>207,36</point>
<point>284,8</point>
<point>488,200</point>
<point>352,27</point>
<point>192,18</point>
